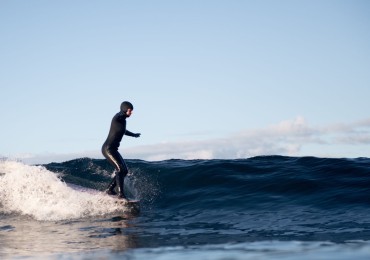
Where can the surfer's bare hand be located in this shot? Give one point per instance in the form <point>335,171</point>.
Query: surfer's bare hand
<point>137,135</point>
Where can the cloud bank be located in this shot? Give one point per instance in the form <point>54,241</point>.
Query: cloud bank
<point>291,137</point>
<point>288,137</point>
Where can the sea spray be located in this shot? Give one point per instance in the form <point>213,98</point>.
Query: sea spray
<point>40,193</point>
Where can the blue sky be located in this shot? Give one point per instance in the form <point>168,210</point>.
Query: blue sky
<point>208,79</point>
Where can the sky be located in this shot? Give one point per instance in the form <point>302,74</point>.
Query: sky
<point>208,79</point>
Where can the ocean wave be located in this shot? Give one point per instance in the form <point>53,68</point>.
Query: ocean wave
<point>266,182</point>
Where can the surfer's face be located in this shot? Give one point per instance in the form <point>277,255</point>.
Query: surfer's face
<point>128,112</point>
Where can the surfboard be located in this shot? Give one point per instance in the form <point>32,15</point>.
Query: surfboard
<point>133,205</point>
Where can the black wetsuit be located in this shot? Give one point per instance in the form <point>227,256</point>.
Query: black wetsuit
<point>110,152</point>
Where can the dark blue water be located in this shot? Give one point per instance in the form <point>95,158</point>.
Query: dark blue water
<point>269,206</point>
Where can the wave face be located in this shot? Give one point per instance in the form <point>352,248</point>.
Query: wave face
<point>272,181</point>
<point>275,181</point>
<point>273,197</point>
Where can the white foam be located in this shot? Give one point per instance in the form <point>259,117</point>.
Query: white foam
<point>37,192</point>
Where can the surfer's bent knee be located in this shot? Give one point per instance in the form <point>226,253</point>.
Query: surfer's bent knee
<point>116,160</point>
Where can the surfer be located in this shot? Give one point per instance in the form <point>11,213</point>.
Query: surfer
<point>110,148</point>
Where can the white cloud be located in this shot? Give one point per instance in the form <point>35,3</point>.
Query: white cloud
<point>289,137</point>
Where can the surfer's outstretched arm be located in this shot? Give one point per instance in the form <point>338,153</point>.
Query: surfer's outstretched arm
<point>128,133</point>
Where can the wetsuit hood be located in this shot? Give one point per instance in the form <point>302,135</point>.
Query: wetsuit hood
<point>125,106</point>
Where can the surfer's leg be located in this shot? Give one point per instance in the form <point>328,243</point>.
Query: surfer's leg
<point>112,160</point>
<point>112,185</point>
<point>120,175</point>
<point>121,170</point>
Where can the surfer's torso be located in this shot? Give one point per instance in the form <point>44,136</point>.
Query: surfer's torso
<point>116,132</point>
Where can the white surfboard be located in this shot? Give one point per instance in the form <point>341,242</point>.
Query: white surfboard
<point>133,205</point>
